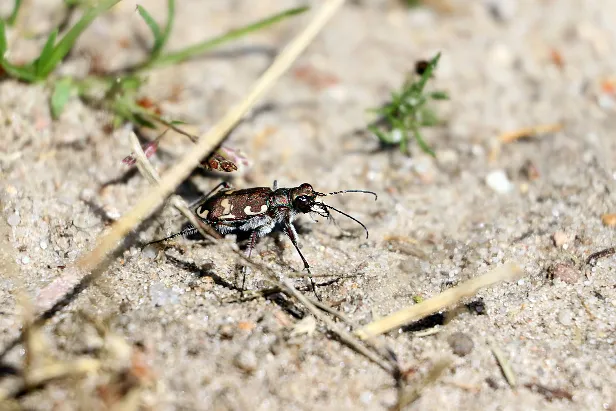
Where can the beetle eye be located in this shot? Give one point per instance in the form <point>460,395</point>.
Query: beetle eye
<point>302,203</point>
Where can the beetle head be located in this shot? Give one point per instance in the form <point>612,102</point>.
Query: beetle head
<point>303,199</point>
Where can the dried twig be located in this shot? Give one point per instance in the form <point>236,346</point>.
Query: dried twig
<point>384,359</point>
<point>503,363</point>
<point>406,397</point>
<point>434,304</point>
<point>594,257</point>
<point>511,136</point>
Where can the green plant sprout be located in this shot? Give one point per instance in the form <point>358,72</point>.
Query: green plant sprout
<point>52,53</point>
<point>13,16</point>
<point>119,92</point>
<point>407,112</point>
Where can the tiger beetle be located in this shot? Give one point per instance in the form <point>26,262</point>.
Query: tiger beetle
<point>258,210</point>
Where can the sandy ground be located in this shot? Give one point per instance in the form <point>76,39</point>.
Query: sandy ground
<point>506,65</point>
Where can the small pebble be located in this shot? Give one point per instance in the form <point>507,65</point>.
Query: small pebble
<point>477,306</point>
<point>564,272</point>
<point>25,259</point>
<point>246,360</point>
<point>226,331</point>
<point>530,171</point>
<point>13,220</point>
<point>498,181</point>
<point>607,219</point>
<point>162,295</point>
<point>447,159</point>
<point>43,245</point>
<point>565,317</point>
<point>460,343</point>
<point>501,56</point>
<point>502,10</point>
<point>562,239</point>
<point>365,397</point>
<point>605,102</point>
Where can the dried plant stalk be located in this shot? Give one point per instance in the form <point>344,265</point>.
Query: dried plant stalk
<point>511,136</point>
<point>445,299</point>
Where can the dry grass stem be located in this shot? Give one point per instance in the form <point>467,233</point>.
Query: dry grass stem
<point>345,336</point>
<point>428,332</point>
<point>383,358</point>
<point>511,136</point>
<point>442,300</point>
<point>406,397</point>
<point>42,375</point>
<point>503,363</point>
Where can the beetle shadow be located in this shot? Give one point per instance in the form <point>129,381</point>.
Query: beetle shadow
<point>200,272</point>
<point>277,297</point>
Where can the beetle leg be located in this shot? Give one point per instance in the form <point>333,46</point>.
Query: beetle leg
<point>292,234</point>
<point>221,186</point>
<point>251,245</point>
<point>275,185</point>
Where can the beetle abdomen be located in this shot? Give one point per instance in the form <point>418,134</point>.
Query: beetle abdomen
<point>235,205</point>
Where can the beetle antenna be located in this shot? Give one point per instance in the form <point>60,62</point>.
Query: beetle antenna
<point>348,191</point>
<point>351,217</point>
<point>187,231</point>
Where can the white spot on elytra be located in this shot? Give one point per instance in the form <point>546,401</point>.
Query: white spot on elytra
<point>226,206</point>
<point>226,217</point>
<point>248,210</point>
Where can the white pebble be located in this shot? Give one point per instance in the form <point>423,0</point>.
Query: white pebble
<point>565,317</point>
<point>13,220</point>
<point>43,245</point>
<point>498,181</point>
<point>606,102</point>
<point>25,259</point>
<point>162,295</point>
<point>365,397</point>
<point>246,360</point>
<point>562,239</point>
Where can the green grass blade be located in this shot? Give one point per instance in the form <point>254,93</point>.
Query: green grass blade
<point>154,27</point>
<point>25,73</point>
<point>422,143</point>
<point>60,96</point>
<point>439,95</point>
<point>46,53</point>
<point>2,39</point>
<point>168,27</point>
<point>69,39</point>
<point>201,48</point>
<point>160,37</point>
<point>11,20</point>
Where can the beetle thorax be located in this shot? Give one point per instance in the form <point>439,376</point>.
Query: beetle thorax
<point>280,198</point>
